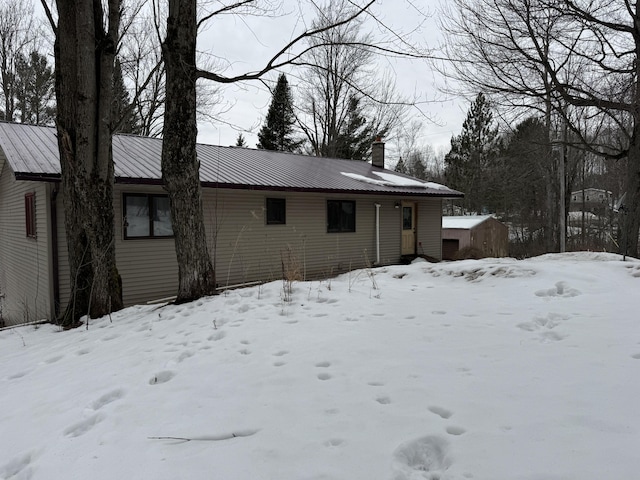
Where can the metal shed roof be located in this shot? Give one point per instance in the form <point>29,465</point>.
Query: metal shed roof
<point>32,153</point>
<point>464,222</point>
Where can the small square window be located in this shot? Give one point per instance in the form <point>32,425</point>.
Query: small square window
<point>146,216</point>
<point>341,216</point>
<point>276,211</point>
<point>30,214</point>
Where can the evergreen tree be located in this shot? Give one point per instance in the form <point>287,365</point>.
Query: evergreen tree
<point>240,141</point>
<point>355,138</point>
<point>277,131</point>
<point>401,167</point>
<point>416,165</point>
<point>34,89</point>
<point>473,154</point>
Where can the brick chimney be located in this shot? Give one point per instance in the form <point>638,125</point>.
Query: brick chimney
<point>377,152</point>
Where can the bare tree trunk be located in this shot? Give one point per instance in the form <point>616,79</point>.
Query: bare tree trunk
<point>180,166</point>
<point>632,204</point>
<point>84,55</point>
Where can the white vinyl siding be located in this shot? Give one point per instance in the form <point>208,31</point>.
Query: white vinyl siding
<point>24,261</point>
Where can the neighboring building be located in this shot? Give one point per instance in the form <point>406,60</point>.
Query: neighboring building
<point>595,200</point>
<point>482,232</point>
<point>260,206</point>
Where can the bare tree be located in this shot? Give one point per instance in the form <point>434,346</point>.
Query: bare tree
<point>551,54</point>
<point>179,160</point>
<point>339,82</point>
<point>85,50</point>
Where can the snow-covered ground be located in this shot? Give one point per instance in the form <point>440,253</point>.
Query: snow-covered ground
<point>490,369</point>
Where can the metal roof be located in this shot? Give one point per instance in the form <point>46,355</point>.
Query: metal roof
<point>464,222</point>
<point>32,153</point>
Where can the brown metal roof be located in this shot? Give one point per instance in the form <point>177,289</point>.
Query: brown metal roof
<point>32,153</point>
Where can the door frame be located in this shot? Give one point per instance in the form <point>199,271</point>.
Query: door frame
<point>414,221</point>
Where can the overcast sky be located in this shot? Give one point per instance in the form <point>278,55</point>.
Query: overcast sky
<point>247,42</point>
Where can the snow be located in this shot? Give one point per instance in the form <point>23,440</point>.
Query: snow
<point>464,222</point>
<point>480,369</point>
<point>391,180</point>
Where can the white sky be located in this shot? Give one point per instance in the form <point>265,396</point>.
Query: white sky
<point>494,369</point>
<point>246,42</point>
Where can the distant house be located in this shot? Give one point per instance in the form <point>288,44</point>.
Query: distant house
<point>482,232</point>
<point>260,206</point>
<point>595,200</point>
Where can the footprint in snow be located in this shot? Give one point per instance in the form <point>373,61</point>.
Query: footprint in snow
<point>324,376</point>
<point>424,455</point>
<point>244,351</point>
<point>108,398</point>
<point>323,364</point>
<point>440,411</point>
<point>162,377</point>
<point>636,356</point>
<point>54,359</point>
<point>383,400</point>
<point>454,430</point>
<point>219,335</point>
<point>280,353</point>
<point>82,427</point>
<point>19,467</point>
<point>561,290</point>
<point>184,355</point>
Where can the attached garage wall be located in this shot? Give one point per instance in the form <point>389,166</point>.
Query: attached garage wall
<point>24,261</point>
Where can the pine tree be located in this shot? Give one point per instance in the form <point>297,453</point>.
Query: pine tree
<point>355,138</point>
<point>473,153</point>
<point>34,89</point>
<point>278,129</point>
<point>240,141</point>
<point>401,167</point>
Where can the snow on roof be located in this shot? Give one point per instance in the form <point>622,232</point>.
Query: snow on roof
<point>392,180</point>
<point>464,222</point>
<point>32,153</point>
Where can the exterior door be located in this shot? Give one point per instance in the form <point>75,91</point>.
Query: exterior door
<point>408,228</point>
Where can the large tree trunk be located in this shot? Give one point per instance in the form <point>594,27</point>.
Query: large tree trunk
<point>180,166</point>
<point>631,215</point>
<point>84,56</point>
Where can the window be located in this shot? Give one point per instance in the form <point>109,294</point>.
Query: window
<point>30,214</point>
<point>341,216</point>
<point>276,211</point>
<point>407,218</point>
<point>146,216</point>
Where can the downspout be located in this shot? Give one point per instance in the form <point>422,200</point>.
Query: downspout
<point>377,233</point>
<point>54,250</point>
